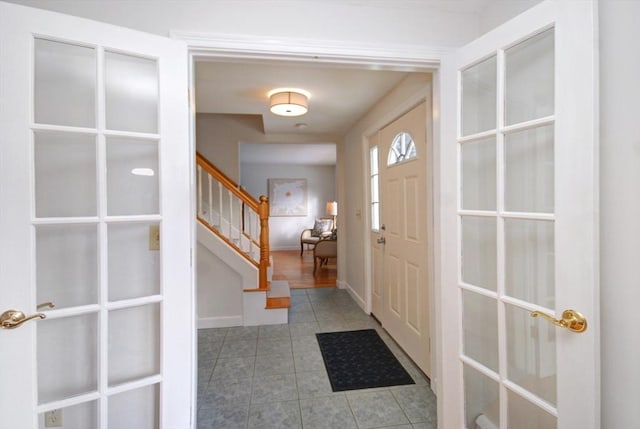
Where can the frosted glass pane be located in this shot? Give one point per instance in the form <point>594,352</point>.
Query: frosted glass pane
<point>479,251</point>
<point>479,97</point>
<point>131,89</point>
<point>479,175</point>
<point>64,84</point>
<point>67,264</point>
<point>522,414</point>
<point>531,353</point>
<point>529,81</point>
<point>529,170</point>
<point>134,269</point>
<point>135,409</point>
<point>82,416</point>
<point>529,261</point>
<point>481,399</point>
<point>480,326</point>
<point>132,177</point>
<point>134,343</point>
<point>65,174</point>
<point>67,357</point>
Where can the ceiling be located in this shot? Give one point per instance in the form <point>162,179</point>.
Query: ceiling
<point>339,98</point>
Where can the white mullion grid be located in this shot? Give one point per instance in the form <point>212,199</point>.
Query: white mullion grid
<point>127,387</point>
<point>525,305</point>
<point>479,290</point>
<point>71,311</point>
<point>500,234</point>
<point>133,219</point>
<point>63,129</point>
<point>472,363</point>
<point>477,213</point>
<point>132,135</point>
<point>210,199</point>
<point>477,136</point>
<point>69,402</point>
<point>66,220</point>
<point>103,321</point>
<point>527,125</point>
<point>134,302</point>
<point>525,394</point>
<point>459,304</point>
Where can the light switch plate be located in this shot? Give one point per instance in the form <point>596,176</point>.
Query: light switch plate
<point>154,237</point>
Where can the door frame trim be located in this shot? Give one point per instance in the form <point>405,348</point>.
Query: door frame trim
<point>402,57</point>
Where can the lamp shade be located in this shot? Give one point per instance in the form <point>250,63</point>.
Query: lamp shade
<point>332,208</point>
<point>288,103</point>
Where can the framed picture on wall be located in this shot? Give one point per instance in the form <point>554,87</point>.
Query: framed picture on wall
<point>288,197</point>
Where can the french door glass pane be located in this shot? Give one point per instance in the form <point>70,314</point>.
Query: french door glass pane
<point>529,79</point>
<point>131,93</point>
<point>529,170</point>
<point>67,264</point>
<point>530,261</point>
<point>481,400</point>
<point>134,268</point>
<point>480,327</point>
<point>65,174</point>
<point>522,414</point>
<point>132,177</point>
<point>81,416</point>
<point>67,357</point>
<point>531,353</point>
<point>479,175</point>
<point>479,250</point>
<point>64,84</point>
<point>134,343</point>
<point>135,409</point>
<point>479,97</point>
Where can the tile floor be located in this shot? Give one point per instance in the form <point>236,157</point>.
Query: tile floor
<point>273,376</point>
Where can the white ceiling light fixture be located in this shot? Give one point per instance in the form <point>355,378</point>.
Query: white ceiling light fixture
<point>289,101</point>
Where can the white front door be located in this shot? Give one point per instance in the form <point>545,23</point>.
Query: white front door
<point>519,183</point>
<point>400,261</point>
<point>94,160</point>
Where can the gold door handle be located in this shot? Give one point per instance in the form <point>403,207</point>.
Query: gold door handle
<point>12,319</point>
<point>571,319</point>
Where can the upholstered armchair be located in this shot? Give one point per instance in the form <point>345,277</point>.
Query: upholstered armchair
<point>324,250</point>
<point>320,231</point>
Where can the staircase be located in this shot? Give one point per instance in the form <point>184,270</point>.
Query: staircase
<point>234,226</point>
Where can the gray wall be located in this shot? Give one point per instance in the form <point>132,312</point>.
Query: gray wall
<point>284,231</point>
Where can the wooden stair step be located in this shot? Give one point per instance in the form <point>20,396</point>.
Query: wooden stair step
<point>279,295</point>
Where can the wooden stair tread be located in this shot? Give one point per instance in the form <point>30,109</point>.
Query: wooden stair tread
<point>279,295</point>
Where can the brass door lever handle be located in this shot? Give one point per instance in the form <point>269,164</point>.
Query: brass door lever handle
<point>571,319</point>
<point>12,319</point>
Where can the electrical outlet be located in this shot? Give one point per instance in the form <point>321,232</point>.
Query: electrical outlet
<point>53,419</point>
<point>154,237</point>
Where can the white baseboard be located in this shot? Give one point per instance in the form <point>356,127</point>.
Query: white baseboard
<point>361,303</point>
<point>219,322</point>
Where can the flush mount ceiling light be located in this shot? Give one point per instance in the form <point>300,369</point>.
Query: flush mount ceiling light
<point>289,102</point>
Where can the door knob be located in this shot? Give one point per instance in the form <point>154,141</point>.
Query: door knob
<point>12,319</point>
<point>381,240</point>
<point>571,319</point>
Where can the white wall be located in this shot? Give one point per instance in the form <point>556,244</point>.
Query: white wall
<point>384,21</point>
<point>284,231</point>
<point>354,200</point>
<point>219,289</point>
<point>619,212</point>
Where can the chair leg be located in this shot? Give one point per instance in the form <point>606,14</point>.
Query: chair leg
<point>301,249</point>
<point>315,264</point>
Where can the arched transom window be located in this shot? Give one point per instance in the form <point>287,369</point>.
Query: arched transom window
<point>402,149</point>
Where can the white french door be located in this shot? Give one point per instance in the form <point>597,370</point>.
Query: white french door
<point>94,160</point>
<point>519,153</point>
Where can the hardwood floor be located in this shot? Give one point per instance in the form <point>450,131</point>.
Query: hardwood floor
<point>298,271</point>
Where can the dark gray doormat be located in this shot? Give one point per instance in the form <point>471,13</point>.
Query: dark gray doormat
<point>360,360</point>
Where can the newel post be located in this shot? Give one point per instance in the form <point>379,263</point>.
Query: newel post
<point>263,213</point>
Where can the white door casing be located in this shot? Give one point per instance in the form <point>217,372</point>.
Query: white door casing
<point>551,244</point>
<point>26,36</point>
<point>403,201</point>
